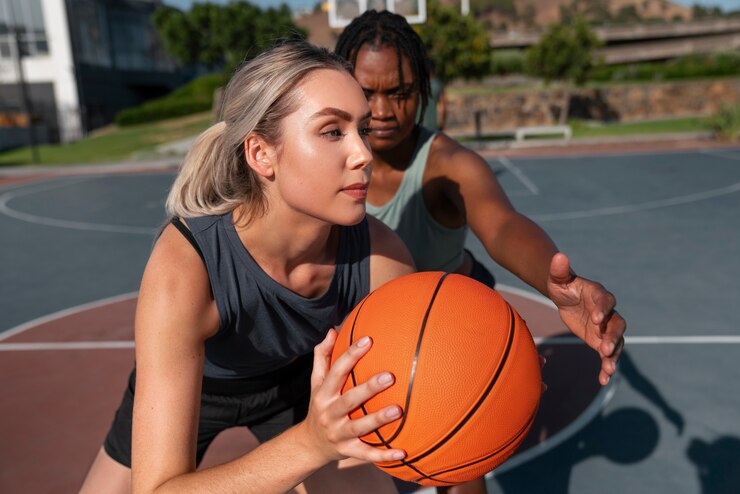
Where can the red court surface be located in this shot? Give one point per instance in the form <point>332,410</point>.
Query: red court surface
<point>66,373</point>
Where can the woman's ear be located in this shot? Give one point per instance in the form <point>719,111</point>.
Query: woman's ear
<point>259,155</point>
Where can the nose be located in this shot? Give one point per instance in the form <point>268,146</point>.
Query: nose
<point>380,107</point>
<point>360,154</point>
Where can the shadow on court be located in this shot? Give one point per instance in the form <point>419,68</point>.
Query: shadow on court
<point>717,464</point>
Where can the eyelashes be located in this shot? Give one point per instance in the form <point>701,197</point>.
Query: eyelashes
<point>335,134</point>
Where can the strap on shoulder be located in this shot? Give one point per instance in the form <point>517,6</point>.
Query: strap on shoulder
<point>177,222</point>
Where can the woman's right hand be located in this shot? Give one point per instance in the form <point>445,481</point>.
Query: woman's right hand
<point>328,426</point>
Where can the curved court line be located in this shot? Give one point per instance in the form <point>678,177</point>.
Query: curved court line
<point>534,296</point>
<point>603,397</point>
<point>74,225</point>
<point>66,312</point>
<point>644,206</point>
<point>519,174</point>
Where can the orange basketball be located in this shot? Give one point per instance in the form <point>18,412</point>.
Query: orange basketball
<point>467,375</point>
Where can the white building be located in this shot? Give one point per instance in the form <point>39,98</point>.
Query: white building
<point>82,61</point>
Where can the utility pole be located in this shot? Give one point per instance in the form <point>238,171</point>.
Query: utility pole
<point>25,100</point>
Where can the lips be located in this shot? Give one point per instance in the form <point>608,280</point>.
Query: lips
<point>358,190</point>
<point>383,131</point>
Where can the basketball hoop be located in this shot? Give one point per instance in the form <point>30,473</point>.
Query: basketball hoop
<point>341,12</point>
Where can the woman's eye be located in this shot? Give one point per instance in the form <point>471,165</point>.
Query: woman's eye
<point>400,96</point>
<point>365,131</point>
<point>332,133</point>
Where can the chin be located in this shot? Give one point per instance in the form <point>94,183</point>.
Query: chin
<point>350,219</point>
<point>384,144</point>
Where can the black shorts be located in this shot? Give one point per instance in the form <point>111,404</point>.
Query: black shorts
<point>266,412</point>
<point>480,273</point>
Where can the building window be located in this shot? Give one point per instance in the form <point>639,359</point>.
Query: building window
<point>136,44</point>
<point>26,18</point>
<point>90,31</point>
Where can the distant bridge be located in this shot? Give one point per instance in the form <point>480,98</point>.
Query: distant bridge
<point>645,42</point>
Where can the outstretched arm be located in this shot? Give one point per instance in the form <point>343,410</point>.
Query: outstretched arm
<point>521,246</point>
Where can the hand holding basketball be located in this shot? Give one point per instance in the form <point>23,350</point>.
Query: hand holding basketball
<point>467,375</point>
<point>328,423</point>
<point>587,308</point>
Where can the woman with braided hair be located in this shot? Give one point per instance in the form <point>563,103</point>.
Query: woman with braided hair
<point>432,190</point>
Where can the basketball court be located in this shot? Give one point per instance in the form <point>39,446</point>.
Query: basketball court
<point>659,228</point>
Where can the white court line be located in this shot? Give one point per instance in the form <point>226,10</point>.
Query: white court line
<point>531,187</point>
<point>644,206</point>
<point>650,340</point>
<point>66,345</point>
<point>561,340</point>
<point>64,313</point>
<point>73,225</point>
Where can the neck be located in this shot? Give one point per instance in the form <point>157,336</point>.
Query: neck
<point>281,242</point>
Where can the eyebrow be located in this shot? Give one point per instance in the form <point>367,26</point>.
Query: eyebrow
<point>329,111</point>
<point>406,87</point>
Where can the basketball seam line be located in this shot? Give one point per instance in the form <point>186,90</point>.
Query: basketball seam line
<point>385,442</point>
<point>518,435</point>
<point>491,384</point>
<point>353,377</point>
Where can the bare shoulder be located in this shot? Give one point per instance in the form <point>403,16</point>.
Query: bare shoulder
<point>448,157</point>
<point>175,286</point>
<point>389,256</point>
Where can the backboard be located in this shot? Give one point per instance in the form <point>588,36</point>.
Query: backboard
<point>341,12</point>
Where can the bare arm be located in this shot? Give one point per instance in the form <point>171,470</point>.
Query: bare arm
<point>510,238</point>
<point>389,256</point>
<point>175,315</point>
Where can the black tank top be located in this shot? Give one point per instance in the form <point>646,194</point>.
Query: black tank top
<point>263,325</point>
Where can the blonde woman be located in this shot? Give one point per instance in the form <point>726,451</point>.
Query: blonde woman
<point>269,248</point>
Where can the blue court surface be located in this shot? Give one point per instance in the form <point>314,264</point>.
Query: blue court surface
<point>661,230</point>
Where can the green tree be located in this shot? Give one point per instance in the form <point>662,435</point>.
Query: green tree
<point>708,12</point>
<point>628,14</point>
<point>457,44</point>
<point>222,36</point>
<point>565,53</point>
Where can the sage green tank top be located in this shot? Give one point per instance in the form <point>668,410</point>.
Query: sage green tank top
<point>434,247</point>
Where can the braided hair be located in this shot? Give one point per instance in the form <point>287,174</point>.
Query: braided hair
<point>379,29</point>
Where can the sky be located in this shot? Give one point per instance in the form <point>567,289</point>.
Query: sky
<point>301,4</point>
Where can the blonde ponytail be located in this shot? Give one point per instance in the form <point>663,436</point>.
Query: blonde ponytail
<point>215,177</point>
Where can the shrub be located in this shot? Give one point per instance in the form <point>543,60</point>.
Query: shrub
<point>194,97</point>
<point>726,124</point>
<point>688,67</point>
<point>162,109</point>
<point>201,87</point>
<point>504,62</point>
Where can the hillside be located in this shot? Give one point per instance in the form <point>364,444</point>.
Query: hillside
<point>522,14</point>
